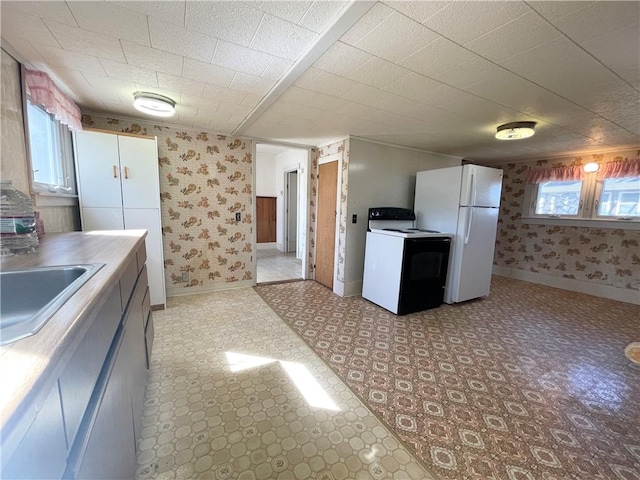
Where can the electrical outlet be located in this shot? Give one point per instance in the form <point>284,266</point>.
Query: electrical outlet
<point>237,216</point>
<point>354,218</point>
<point>185,276</point>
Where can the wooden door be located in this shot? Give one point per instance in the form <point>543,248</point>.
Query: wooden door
<point>326,229</point>
<point>266,219</point>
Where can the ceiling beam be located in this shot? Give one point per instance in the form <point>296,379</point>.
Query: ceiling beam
<point>347,19</point>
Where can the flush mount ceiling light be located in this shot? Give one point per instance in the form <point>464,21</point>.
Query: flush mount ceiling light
<point>515,130</point>
<point>154,104</point>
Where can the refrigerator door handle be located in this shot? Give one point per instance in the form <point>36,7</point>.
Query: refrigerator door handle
<point>469,222</point>
<point>474,193</point>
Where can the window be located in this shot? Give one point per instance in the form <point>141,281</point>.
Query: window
<point>560,195</point>
<point>559,198</point>
<point>618,197</point>
<point>50,152</point>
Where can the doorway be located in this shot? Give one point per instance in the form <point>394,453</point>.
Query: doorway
<point>281,205</point>
<point>291,212</point>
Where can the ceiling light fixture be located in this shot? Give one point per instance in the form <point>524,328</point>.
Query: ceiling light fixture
<point>515,130</point>
<point>154,104</point>
<point>590,167</point>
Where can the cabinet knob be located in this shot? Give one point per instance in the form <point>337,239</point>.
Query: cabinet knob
<point>126,172</point>
<point>115,171</point>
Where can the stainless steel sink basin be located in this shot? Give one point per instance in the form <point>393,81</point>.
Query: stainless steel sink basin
<point>30,297</point>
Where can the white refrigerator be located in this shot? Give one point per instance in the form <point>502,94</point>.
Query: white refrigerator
<point>463,201</point>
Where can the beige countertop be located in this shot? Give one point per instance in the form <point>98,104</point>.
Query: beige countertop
<point>30,367</point>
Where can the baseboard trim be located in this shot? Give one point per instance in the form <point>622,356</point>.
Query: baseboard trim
<point>181,291</point>
<point>626,295</point>
<point>353,289</point>
<point>266,246</point>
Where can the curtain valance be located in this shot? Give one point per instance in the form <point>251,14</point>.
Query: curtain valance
<point>619,169</point>
<point>567,173</point>
<point>558,174</point>
<point>43,91</point>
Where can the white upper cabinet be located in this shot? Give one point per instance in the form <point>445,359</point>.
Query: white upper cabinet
<point>137,190</point>
<point>99,170</point>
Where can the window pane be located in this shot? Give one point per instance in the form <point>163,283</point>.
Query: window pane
<point>620,197</point>
<point>558,198</point>
<point>43,142</point>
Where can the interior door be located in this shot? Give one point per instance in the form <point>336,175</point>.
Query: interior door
<point>139,172</point>
<point>98,165</point>
<point>326,218</point>
<point>292,211</point>
<point>266,219</point>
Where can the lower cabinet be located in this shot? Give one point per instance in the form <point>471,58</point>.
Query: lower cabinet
<point>87,426</point>
<point>106,446</point>
<point>109,447</point>
<point>42,451</point>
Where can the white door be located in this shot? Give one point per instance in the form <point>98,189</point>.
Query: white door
<point>292,211</point>
<point>139,172</point>
<point>102,218</point>
<point>481,186</point>
<point>149,219</point>
<point>474,253</point>
<point>98,167</point>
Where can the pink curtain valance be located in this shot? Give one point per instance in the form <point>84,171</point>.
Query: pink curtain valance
<point>43,91</point>
<point>619,169</point>
<point>555,174</point>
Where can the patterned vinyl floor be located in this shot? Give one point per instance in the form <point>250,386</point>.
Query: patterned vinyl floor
<point>528,383</point>
<point>233,392</point>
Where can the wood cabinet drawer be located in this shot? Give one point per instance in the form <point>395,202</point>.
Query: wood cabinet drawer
<point>81,373</point>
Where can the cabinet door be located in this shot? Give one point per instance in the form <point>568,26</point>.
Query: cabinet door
<point>102,219</point>
<point>139,172</point>
<point>81,373</point>
<point>98,169</point>
<point>110,450</point>
<point>149,219</point>
<point>135,351</point>
<point>43,450</point>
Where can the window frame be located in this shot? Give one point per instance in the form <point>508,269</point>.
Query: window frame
<point>599,190</point>
<point>62,153</point>
<point>587,212</point>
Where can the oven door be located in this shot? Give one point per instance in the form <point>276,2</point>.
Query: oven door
<point>424,273</point>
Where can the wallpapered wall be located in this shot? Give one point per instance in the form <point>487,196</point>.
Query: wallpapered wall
<point>604,256</point>
<point>341,150</point>
<point>205,179</point>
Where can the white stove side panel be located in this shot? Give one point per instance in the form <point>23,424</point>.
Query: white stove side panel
<point>382,270</point>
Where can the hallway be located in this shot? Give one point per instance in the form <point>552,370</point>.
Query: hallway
<point>275,266</point>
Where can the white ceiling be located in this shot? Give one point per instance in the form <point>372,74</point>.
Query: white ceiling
<point>435,75</point>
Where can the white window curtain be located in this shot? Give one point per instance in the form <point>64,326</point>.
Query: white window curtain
<point>43,91</point>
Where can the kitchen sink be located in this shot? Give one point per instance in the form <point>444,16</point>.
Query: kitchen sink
<point>30,297</point>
